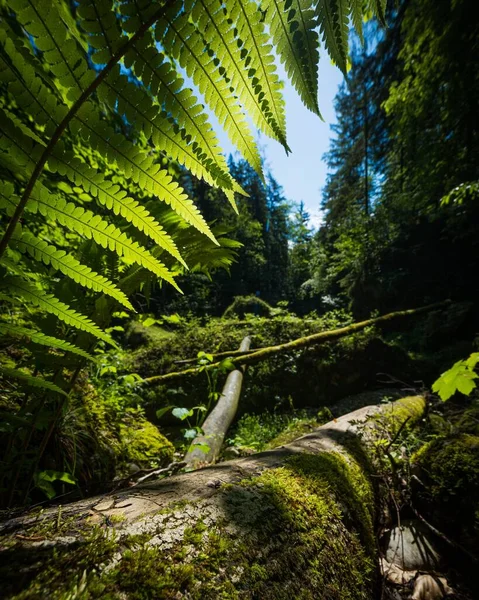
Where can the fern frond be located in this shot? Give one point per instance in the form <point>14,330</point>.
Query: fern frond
<point>49,303</point>
<point>260,60</point>
<point>357,17</point>
<point>220,34</point>
<point>69,266</point>
<point>61,52</point>
<point>135,104</point>
<point>292,27</point>
<point>99,21</point>
<point>184,42</point>
<point>379,9</point>
<point>333,22</point>
<point>40,338</point>
<point>164,83</point>
<point>29,91</point>
<point>137,165</point>
<point>18,151</point>
<point>92,226</point>
<point>31,381</point>
<point>113,197</point>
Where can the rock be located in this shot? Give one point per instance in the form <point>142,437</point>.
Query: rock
<point>411,547</point>
<point>133,468</point>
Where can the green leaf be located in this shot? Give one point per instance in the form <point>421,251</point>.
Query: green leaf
<point>190,434</point>
<point>162,411</point>
<point>202,448</point>
<point>49,303</point>
<point>38,337</point>
<point>29,380</point>
<point>459,378</point>
<point>55,476</point>
<point>182,413</point>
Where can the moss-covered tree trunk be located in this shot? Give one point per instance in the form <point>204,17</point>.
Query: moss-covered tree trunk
<point>295,522</point>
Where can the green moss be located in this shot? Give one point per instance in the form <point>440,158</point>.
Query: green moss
<point>243,305</point>
<point>300,531</point>
<point>449,467</point>
<point>142,442</point>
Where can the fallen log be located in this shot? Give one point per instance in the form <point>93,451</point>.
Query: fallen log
<point>239,357</point>
<point>295,522</point>
<point>206,447</point>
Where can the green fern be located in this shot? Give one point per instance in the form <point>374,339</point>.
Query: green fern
<point>260,62</point>
<point>68,265</point>
<point>92,226</point>
<point>292,27</point>
<point>30,380</point>
<point>47,302</point>
<point>185,43</point>
<point>38,337</point>
<point>333,22</point>
<point>42,21</point>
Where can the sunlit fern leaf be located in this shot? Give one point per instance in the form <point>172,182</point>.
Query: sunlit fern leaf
<point>333,22</point>
<point>30,380</point>
<point>25,129</point>
<point>292,27</point>
<point>259,60</point>
<point>92,226</point>
<point>113,197</point>
<point>184,42</point>
<point>137,107</point>
<point>61,52</point>
<point>137,165</point>
<point>379,9</point>
<point>28,89</point>
<point>49,303</point>
<point>68,265</point>
<point>357,17</point>
<point>220,34</point>
<point>18,152</point>
<point>40,338</point>
<point>99,21</point>
<point>165,84</point>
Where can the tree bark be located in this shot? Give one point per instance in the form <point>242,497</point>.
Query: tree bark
<point>219,420</point>
<point>294,522</point>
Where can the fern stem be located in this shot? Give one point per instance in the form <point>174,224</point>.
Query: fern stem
<point>69,116</point>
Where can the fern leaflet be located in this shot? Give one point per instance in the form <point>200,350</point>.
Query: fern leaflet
<point>38,337</point>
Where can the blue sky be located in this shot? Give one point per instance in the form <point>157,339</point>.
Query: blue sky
<point>302,173</point>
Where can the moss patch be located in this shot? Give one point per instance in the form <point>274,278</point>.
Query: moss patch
<point>142,442</point>
<point>302,531</point>
<point>450,469</point>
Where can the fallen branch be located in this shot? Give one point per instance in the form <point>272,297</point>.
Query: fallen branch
<point>250,357</point>
<point>206,447</point>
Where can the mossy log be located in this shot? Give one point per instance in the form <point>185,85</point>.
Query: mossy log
<point>296,522</point>
<point>249,357</point>
<point>205,448</point>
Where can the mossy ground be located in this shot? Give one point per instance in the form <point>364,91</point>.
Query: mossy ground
<point>301,531</point>
<point>449,469</point>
